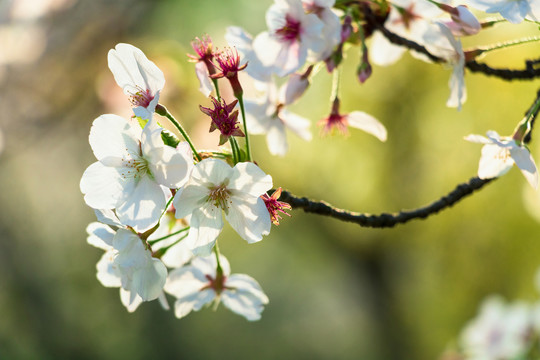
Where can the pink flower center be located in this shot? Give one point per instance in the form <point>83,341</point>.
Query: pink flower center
<point>141,98</point>
<point>291,31</point>
<point>335,121</point>
<point>217,284</point>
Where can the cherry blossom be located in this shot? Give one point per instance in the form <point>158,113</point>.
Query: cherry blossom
<point>199,284</point>
<point>204,66</point>
<point>440,42</point>
<point>214,187</point>
<point>409,19</point>
<point>139,77</point>
<point>515,11</point>
<point>224,119</point>
<point>500,331</point>
<point>276,207</point>
<point>268,115</point>
<point>331,31</point>
<point>292,33</point>
<point>108,273</point>
<point>500,153</point>
<point>132,167</point>
<point>356,119</point>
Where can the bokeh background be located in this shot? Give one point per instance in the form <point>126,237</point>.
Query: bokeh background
<point>337,291</point>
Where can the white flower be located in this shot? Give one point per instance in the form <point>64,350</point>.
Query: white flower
<point>268,115</point>
<point>215,187</point>
<point>500,331</point>
<point>132,165</point>
<point>108,273</point>
<point>243,42</point>
<point>331,32</point>
<point>440,42</point>
<point>409,19</point>
<point>463,21</point>
<point>291,34</point>
<point>139,77</point>
<point>500,153</point>
<point>140,273</point>
<point>198,284</point>
<point>514,11</point>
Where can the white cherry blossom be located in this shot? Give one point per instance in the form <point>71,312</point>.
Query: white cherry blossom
<point>108,273</point>
<point>139,77</point>
<point>268,115</point>
<point>331,32</point>
<point>132,167</point>
<point>292,33</point>
<point>500,331</point>
<point>440,42</point>
<point>214,187</point>
<point>199,284</point>
<point>500,153</point>
<point>515,11</point>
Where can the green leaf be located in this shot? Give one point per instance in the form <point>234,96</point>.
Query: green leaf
<point>169,138</point>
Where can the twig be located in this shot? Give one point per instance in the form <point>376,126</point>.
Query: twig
<point>385,220</point>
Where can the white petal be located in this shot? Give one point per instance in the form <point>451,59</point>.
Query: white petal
<point>248,178</point>
<point>148,281</point>
<point>205,85</point>
<point>249,218</point>
<point>132,69</point>
<point>495,162</point>
<point>188,199</point>
<point>195,302</point>
<point>367,123</point>
<point>130,302</point>
<point>211,171</point>
<point>276,138</point>
<point>102,186</point>
<point>523,159</point>
<point>246,298</point>
<point>185,281</point>
<point>297,124</point>
<point>477,139</point>
<point>100,235</point>
<point>112,139</point>
<point>206,225</point>
<point>142,207</point>
<point>107,273</point>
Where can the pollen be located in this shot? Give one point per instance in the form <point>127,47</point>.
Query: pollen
<point>220,197</point>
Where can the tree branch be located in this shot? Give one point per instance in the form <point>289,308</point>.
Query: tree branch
<point>385,220</point>
<point>530,72</point>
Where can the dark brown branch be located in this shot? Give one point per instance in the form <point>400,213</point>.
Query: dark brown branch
<point>530,72</point>
<point>385,220</point>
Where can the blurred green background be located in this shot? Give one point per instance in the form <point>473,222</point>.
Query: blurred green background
<point>337,291</point>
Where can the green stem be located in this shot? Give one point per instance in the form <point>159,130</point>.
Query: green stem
<point>219,270</point>
<point>335,84</point>
<point>215,82</point>
<point>160,252</point>
<point>152,242</point>
<point>235,150</point>
<point>248,148</point>
<point>162,110</point>
<point>524,127</point>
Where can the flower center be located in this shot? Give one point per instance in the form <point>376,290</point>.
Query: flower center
<point>291,31</point>
<point>142,97</point>
<point>136,167</point>
<point>220,197</point>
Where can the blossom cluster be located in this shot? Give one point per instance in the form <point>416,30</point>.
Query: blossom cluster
<point>161,204</point>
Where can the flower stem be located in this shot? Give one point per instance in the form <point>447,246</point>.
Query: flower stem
<point>335,85</point>
<point>219,270</point>
<point>235,150</point>
<point>215,82</point>
<point>152,242</point>
<point>162,110</point>
<point>248,148</point>
<point>160,252</point>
